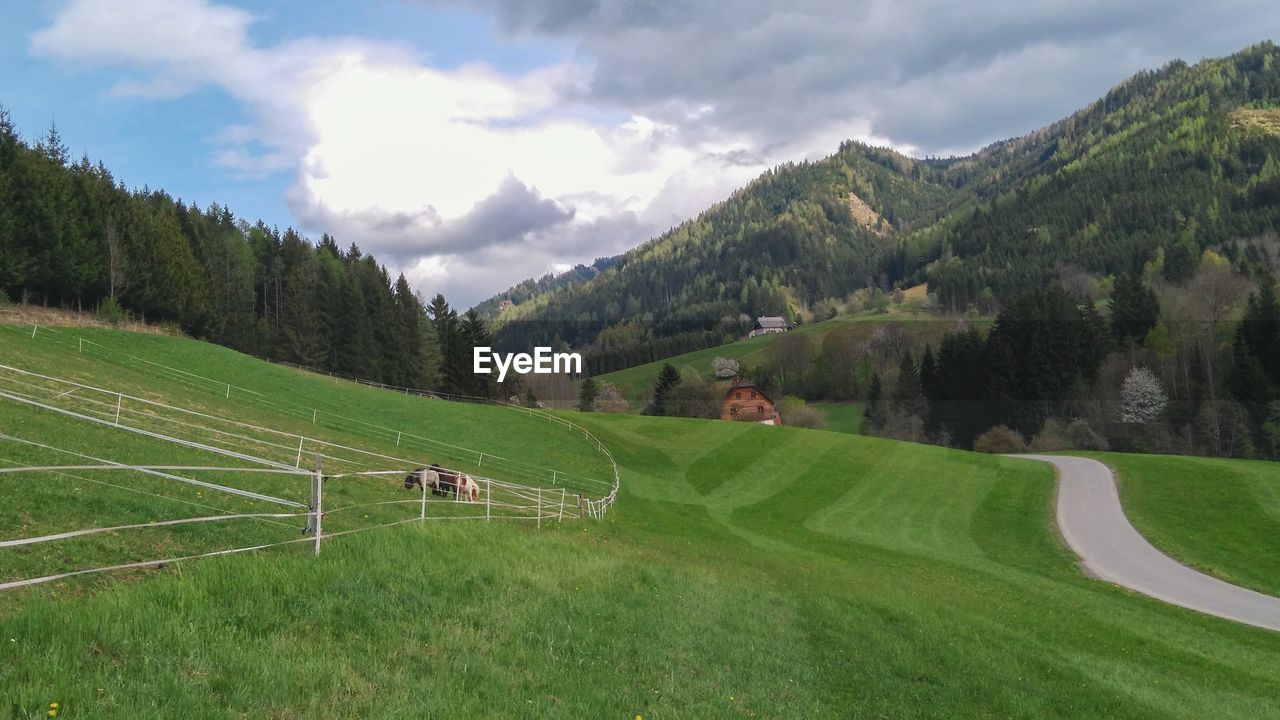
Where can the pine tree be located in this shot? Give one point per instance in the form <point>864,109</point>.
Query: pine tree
<point>473,334</point>
<point>908,395</point>
<point>1134,309</point>
<point>876,412</point>
<point>587,395</point>
<point>453,356</point>
<point>668,378</point>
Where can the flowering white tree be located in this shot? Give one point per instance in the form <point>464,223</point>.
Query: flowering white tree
<point>609,399</point>
<point>1142,397</point>
<point>725,367</point>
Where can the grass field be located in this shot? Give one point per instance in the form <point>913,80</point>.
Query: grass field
<point>845,417</point>
<point>1221,516</point>
<point>745,572</point>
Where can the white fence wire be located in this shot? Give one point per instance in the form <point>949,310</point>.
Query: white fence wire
<point>271,451</point>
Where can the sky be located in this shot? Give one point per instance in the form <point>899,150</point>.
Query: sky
<point>474,143</point>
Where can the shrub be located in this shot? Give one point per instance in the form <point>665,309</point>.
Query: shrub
<point>795,413</point>
<point>1000,439</point>
<point>110,312</point>
<point>903,425</point>
<point>1073,435</point>
<point>4,298</point>
<point>609,399</point>
<point>1084,437</point>
<point>1053,436</point>
<point>694,398</point>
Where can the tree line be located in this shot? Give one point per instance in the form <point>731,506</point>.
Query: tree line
<point>1154,366</point>
<point>74,236</point>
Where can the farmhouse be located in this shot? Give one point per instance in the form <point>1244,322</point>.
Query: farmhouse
<point>766,324</point>
<point>744,401</point>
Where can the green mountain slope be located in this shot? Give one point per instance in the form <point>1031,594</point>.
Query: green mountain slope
<point>745,572</point>
<point>1166,164</point>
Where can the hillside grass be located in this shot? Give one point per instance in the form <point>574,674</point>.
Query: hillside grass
<point>1220,516</point>
<point>746,572</point>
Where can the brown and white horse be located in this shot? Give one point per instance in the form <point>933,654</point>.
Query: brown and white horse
<point>468,489</point>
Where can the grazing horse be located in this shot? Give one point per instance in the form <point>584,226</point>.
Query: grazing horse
<point>448,483</point>
<point>441,481</point>
<point>468,489</point>
<point>422,478</point>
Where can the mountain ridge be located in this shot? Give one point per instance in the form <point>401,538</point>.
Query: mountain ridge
<point>1155,170</point>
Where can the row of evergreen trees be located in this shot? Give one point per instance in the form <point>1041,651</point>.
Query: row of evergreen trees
<point>1041,361</point>
<point>72,235</point>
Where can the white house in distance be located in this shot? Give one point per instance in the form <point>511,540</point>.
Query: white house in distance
<point>765,325</point>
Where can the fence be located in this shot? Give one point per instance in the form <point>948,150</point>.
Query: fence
<point>599,506</point>
<point>273,452</point>
<point>493,502</point>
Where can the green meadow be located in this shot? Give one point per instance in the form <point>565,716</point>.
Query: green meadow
<point>746,571</point>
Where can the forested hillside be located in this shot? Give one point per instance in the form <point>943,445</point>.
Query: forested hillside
<point>1167,164</point>
<point>72,235</point>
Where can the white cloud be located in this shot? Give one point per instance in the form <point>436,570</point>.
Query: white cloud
<point>467,178</point>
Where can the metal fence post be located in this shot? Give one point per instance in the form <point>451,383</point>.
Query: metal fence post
<point>488,499</point>
<point>119,399</point>
<point>422,516</point>
<point>317,502</point>
<point>561,518</point>
<point>539,508</point>
<point>298,462</point>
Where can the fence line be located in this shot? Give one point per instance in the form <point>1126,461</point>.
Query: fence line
<point>541,511</point>
<point>169,476</point>
<point>126,488</point>
<point>515,501</point>
<point>121,411</point>
<point>480,455</point>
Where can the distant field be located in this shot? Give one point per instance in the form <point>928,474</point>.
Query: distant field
<point>1221,516</point>
<point>745,572</point>
<point>842,417</point>
<point>637,382</point>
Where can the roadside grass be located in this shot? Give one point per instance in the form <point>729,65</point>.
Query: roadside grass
<point>827,575</point>
<point>1217,515</point>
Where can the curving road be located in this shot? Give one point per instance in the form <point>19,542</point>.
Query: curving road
<point>1095,527</point>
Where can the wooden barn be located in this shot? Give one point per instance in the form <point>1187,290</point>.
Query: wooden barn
<point>745,402</point>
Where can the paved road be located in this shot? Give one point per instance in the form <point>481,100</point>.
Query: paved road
<point>1094,525</point>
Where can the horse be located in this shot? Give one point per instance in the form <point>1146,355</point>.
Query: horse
<point>468,489</point>
<point>440,481</point>
<point>423,479</point>
<point>448,482</point>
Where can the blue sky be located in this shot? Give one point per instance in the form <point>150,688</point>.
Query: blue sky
<point>474,143</point>
<point>168,143</point>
